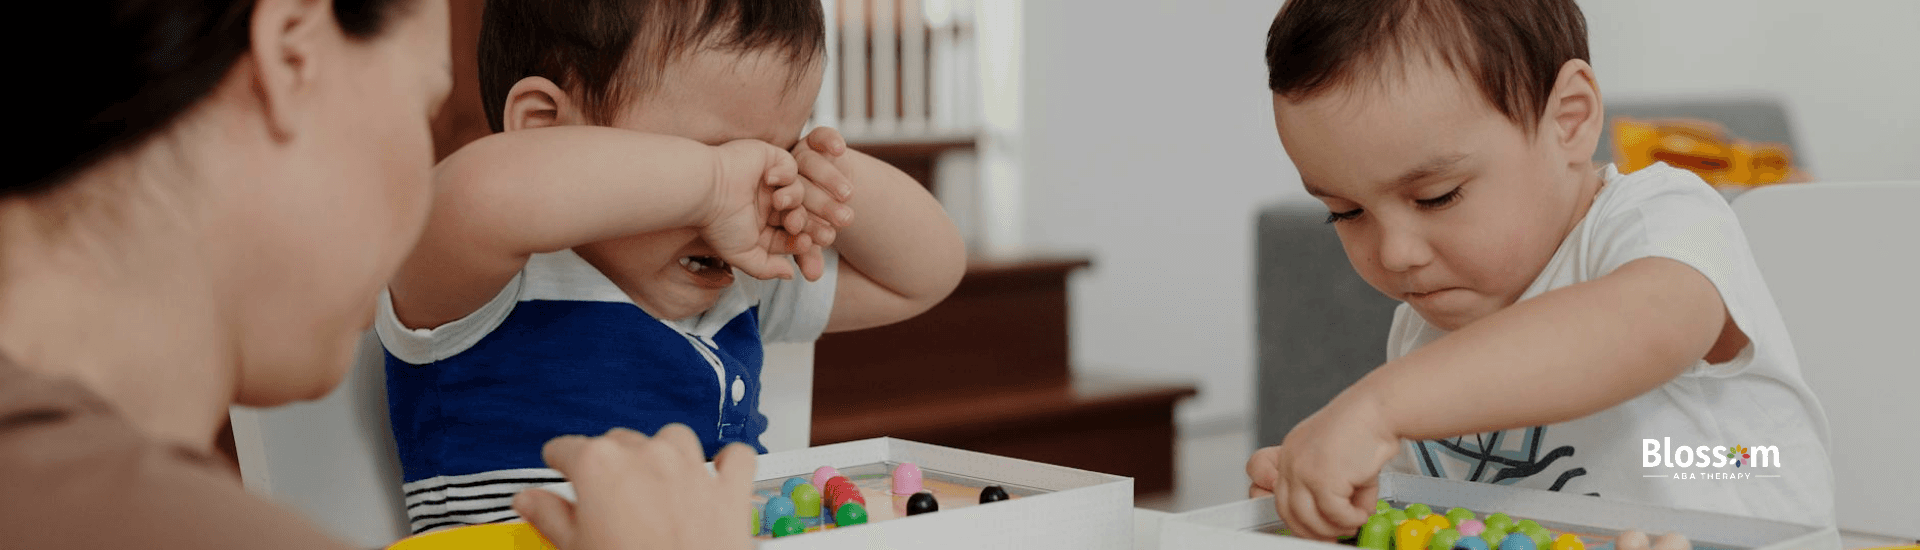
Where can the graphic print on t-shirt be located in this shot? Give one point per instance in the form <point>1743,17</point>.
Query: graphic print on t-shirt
<point>1503,457</point>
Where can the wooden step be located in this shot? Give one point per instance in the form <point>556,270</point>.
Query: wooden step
<point>987,370</point>
<point>1004,326</point>
<point>1104,424</point>
<point>916,155</point>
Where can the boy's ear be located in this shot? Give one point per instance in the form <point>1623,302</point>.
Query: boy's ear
<point>1574,111</point>
<point>535,102</point>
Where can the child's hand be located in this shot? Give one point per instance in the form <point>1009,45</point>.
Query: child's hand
<point>826,191</point>
<point>1325,476</point>
<point>640,492</point>
<point>750,178</point>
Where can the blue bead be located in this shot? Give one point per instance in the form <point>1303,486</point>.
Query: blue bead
<point>786,489</point>
<point>1471,543</point>
<point>1517,541</point>
<point>780,507</point>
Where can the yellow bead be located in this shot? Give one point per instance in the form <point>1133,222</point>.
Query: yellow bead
<point>1568,541</point>
<point>1412,535</point>
<point>1437,522</point>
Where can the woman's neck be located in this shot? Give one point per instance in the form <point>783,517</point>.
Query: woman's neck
<point>120,302</point>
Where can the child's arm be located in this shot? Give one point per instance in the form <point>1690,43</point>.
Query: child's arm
<point>901,256</point>
<point>507,196</point>
<point>1562,355</point>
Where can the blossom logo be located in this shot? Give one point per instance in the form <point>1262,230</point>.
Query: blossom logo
<point>1661,453</point>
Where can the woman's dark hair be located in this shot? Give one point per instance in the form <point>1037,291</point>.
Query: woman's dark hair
<point>113,72</point>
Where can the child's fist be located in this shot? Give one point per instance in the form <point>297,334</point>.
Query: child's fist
<point>740,214</point>
<point>824,188</point>
<point>1324,477</point>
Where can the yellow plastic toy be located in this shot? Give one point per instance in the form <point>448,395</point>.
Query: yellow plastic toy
<point>516,535</point>
<point>1703,148</point>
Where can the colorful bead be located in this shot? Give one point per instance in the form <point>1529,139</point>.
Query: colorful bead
<point>1411,535</point>
<point>1444,539</point>
<point>1472,528</point>
<point>851,513</point>
<point>788,526</point>
<point>1517,541</point>
<point>1377,534</point>
<point>806,501</point>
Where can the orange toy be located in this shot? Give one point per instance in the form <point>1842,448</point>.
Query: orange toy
<point>1703,148</point>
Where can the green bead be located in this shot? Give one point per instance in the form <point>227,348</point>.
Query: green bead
<point>1417,511</point>
<point>851,513</point>
<point>787,526</point>
<point>1394,517</point>
<point>1377,534</point>
<point>1444,539</point>
<point>1499,521</point>
<point>756,520</point>
<point>1540,535</point>
<point>1493,537</point>
<point>806,501</point>
<point>1457,515</point>
<point>1381,507</point>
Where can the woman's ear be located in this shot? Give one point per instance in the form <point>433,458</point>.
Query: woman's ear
<point>288,36</point>
<point>535,102</point>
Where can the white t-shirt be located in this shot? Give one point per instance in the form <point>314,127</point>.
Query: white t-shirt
<point>1758,400</point>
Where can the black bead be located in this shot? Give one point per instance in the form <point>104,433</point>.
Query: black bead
<point>921,503</point>
<point>992,493</point>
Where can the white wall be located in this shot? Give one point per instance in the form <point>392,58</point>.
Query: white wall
<point>1849,70</point>
<point>1148,144</point>
<point>1149,141</point>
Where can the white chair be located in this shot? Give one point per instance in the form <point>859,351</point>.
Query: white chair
<point>334,459</point>
<point>1841,260</point>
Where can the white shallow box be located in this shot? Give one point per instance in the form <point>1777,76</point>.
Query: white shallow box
<point>1081,510</point>
<point>1231,526</point>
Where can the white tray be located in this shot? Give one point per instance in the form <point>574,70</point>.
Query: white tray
<point>1231,526</point>
<point>1075,509</point>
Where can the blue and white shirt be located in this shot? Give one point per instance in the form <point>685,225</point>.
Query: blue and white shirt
<point>562,350</point>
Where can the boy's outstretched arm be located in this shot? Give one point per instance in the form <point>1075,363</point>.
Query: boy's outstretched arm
<point>507,196</point>
<point>1559,356</point>
<point>901,255</point>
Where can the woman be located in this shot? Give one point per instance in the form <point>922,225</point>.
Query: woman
<point>214,194</point>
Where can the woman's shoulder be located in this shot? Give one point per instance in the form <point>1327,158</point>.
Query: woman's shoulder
<point>68,458</point>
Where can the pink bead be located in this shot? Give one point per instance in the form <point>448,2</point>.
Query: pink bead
<point>906,479</point>
<point>1471,528</point>
<point>821,475</point>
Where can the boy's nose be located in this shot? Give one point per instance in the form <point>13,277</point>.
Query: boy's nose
<point>1403,248</point>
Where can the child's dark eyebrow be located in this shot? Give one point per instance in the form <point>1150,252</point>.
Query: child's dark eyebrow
<point>1435,166</point>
